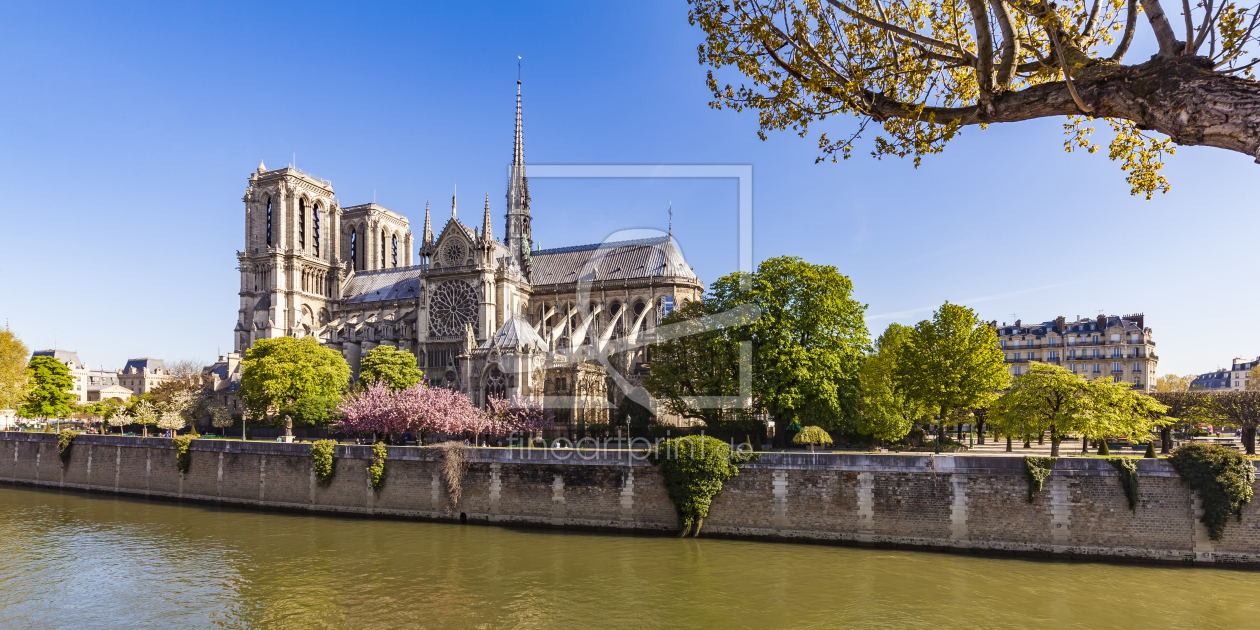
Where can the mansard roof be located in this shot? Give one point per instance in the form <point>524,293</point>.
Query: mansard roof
<point>68,357</point>
<point>516,332</point>
<point>145,364</point>
<point>656,257</point>
<point>382,284</point>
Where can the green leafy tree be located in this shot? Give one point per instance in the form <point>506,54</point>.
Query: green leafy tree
<point>1120,410</point>
<point>923,70</point>
<point>1239,409</point>
<point>293,377</point>
<point>50,395</point>
<point>703,361</point>
<point>951,361</point>
<point>808,345</point>
<point>888,411</point>
<point>387,363</point>
<point>1184,407</point>
<point>813,436</point>
<point>14,378</point>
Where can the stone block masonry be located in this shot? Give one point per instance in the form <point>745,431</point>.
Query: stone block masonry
<point>960,503</point>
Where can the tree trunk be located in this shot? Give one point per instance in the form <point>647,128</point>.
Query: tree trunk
<point>1249,439</point>
<point>1008,444</point>
<point>960,430</point>
<point>980,433</point>
<point>1041,438</point>
<point>1165,439</point>
<point>1054,442</point>
<point>780,433</point>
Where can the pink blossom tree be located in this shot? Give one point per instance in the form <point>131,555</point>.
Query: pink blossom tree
<point>517,415</point>
<point>376,409</point>
<point>440,410</point>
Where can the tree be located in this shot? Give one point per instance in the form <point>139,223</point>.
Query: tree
<point>704,361</point>
<point>888,411</point>
<point>292,377</point>
<point>387,363</point>
<point>1120,410</point>
<point>1239,409</point>
<point>220,417</point>
<point>144,414</point>
<point>924,69</point>
<point>120,419</point>
<point>14,377</point>
<point>1188,407</point>
<point>50,395</point>
<point>1045,397</point>
<point>812,436</point>
<point>951,361</point>
<point>378,408</point>
<point>517,415</point>
<point>1173,383</point>
<point>186,369</point>
<point>807,346</point>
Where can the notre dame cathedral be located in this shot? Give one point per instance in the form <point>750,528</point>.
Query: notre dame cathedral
<point>566,327</point>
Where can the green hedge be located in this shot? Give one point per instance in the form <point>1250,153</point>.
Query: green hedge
<point>322,461</point>
<point>694,468</point>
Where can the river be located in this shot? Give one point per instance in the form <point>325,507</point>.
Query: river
<point>71,560</point>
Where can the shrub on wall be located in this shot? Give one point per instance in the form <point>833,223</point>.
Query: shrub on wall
<point>183,457</point>
<point>1127,469</point>
<point>376,471</point>
<point>1221,475</point>
<point>1038,470</point>
<point>322,461</point>
<point>65,440</point>
<point>454,458</point>
<point>694,468</point>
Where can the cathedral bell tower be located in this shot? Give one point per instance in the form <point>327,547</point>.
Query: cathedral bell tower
<point>518,237</point>
<point>290,268</point>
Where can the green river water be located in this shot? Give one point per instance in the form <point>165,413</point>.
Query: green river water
<point>70,560</point>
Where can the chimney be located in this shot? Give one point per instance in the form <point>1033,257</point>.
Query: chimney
<point>1102,322</point>
<point>1017,323</point>
<point>1060,324</point>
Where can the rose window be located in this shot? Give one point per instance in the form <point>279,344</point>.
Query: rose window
<point>454,253</point>
<point>452,305</point>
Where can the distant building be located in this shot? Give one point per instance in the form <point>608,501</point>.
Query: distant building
<point>224,379</point>
<point>143,374</point>
<point>1234,379</point>
<point>78,370</point>
<point>1119,347</point>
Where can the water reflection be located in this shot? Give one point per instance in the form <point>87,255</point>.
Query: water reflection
<point>76,561</point>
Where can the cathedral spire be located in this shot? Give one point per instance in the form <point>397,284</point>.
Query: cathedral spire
<point>487,230</point>
<point>428,227</point>
<point>518,234</point>
<point>453,202</point>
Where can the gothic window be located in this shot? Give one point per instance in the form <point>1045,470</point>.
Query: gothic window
<point>354,250</point>
<point>496,384</point>
<point>382,249</point>
<point>268,221</point>
<point>452,305</point>
<point>301,224</point>
<point>638,310</point>
<point>395,250</point>
<point>315,233</point>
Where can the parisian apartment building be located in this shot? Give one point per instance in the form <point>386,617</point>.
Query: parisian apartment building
<point>1119,347</point>
<point>1222,380</point>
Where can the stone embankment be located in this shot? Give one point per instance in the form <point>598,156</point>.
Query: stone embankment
<point>963,503</point>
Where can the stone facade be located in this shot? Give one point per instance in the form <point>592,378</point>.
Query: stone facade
<point>968,504</point>
<point>488,317</point>
<point>1117,347</point>
<point>142,375</point>
<point>89,385</point>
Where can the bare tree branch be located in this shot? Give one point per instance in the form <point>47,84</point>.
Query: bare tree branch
<point>923,39</point>
<point>1129,23</point>
<point>984,49</point>
<point>1208,21</point>
<point>1093,21</point>
<point>1168,44</point>
<point>1185,10</point>
<point>1010,45</point>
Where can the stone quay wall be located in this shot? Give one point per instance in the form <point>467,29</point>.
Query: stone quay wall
<point>961,503</point>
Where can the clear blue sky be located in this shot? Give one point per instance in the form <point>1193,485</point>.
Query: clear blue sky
<point>129,131</point>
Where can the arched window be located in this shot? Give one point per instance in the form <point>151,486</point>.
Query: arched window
<point>496,384</point>
<point>301,224</point>
<point>315,234</point>
<point>395,250</point>
<point>354,250</point>
<point>638,310</point>
<point>268,221</point>
<point>382,249</point>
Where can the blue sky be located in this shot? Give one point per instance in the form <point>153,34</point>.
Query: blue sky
<point>130,129</point>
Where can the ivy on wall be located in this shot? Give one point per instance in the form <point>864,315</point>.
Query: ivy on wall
<point>1127,469</point>
<point>183,456</point>
<point>1038,470</point>
<point>376,471</point>
<point>694,468</point>
<point>65,440</point>
<point>322,461</point>
<point>1221,475</point>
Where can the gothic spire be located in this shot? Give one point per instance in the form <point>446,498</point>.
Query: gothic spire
<point>518,233</point>
<point>487,230</point>
<point>453,203</point>
<point>428,227</point>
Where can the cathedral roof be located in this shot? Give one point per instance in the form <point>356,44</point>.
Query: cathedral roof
<point>619,260</point>
<point>516,332</point>
<point>382,284</point>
